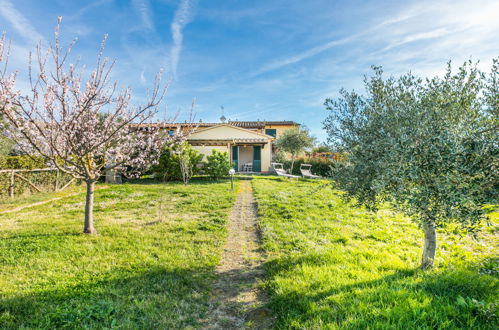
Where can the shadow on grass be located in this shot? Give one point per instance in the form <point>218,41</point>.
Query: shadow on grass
<point>203,180</point>
<point>157,298</point>
<point>236,300</point>
<point>406,298</point>
<point>27,237</point>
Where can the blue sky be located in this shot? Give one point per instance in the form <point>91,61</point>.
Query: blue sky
<point>259,59</point>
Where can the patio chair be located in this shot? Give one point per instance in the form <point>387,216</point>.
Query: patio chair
<point>248,167</point>
<point>306,173</point>
<point>279,170</point>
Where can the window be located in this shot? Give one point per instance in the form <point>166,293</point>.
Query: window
<point>171,132</point>
<point>271,132</point>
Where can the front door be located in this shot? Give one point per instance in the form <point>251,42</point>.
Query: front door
<point>235,157</point>
<point>257,159</point>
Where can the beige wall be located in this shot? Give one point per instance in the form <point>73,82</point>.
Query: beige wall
<point>245,156</point>
<point>207,150</point>
<point>266,157</point>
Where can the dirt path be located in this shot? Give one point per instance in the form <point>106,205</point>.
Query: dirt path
<point>237,302</point>
<point>22,207</point>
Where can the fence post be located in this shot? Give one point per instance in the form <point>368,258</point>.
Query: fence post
<point>56,185</point>
<point>11,187</point>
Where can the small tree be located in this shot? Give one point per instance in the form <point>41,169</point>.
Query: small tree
<point>294,141</point>
<point>321,149</point>
<point>177,162</point>
<point>186,168</point>
<point>61,117</point>
<point>427,146</point>
<point>218,164</point>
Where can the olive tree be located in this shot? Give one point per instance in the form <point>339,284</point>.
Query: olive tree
<point>294,141</point>
<point>428,146</point>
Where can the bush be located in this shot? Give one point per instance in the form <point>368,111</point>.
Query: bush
<point>21,162</point>
<point>218,165</point>
<point>320,166</point>
<point>168,168</point>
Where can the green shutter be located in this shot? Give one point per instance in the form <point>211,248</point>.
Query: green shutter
<point>271,132</point>
<point>235,155</point>
<point>257,159</point>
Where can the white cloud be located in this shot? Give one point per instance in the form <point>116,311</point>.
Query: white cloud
<point>436,33</point>
<point>302,56</point>
<point>19,22</point>
<point>144,9</point>
<point>182,17</point>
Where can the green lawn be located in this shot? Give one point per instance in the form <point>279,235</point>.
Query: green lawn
<point>151,266</point>
<point>334,265</point>
<point>8,203</point>
<point>330,264</point>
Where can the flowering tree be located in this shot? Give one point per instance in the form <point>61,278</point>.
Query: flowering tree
<point>80,123</point>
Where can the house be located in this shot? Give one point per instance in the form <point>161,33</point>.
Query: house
<point>249,144</point>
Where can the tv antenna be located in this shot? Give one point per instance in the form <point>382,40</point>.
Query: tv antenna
<point>222,119</point>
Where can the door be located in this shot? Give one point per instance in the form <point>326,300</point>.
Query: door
<point>257,159</point>
<point>235,157</point>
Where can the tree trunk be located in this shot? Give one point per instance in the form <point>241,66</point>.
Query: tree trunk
<point>292,163</point>
<point>89,209</point>
<point>430,244</point>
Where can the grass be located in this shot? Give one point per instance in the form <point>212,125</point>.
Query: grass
<point>10,203</point>
<point>150,266</point>
<point>330,264</point>
<point>334,265</point>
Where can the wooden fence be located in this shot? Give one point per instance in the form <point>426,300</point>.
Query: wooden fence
<point>20,174</point>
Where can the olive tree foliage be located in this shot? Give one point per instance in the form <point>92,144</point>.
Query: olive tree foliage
<point>60,116</point>
<point>428,146</point>
<point>294,141</point>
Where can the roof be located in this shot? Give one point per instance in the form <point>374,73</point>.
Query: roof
<point>260,136</point>
<point>243,124</point>
<point>261,123</point>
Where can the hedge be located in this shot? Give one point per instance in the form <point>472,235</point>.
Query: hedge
<point>21,162</point>
<point>320,166</point>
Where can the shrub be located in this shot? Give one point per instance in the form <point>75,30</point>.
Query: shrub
<point>169,169</point>
<point>21,162</point>
<point>320,166</point>
<point>218,165</point>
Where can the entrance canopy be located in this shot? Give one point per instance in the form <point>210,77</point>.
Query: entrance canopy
<point>216,142</point>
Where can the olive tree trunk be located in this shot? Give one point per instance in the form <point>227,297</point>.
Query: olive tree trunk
<point>89,209</point>
<point>430,244</point>
<point>292,163</point>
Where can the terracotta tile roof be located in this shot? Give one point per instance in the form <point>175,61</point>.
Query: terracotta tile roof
<point>261,123</point>
<point>243,124</point>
